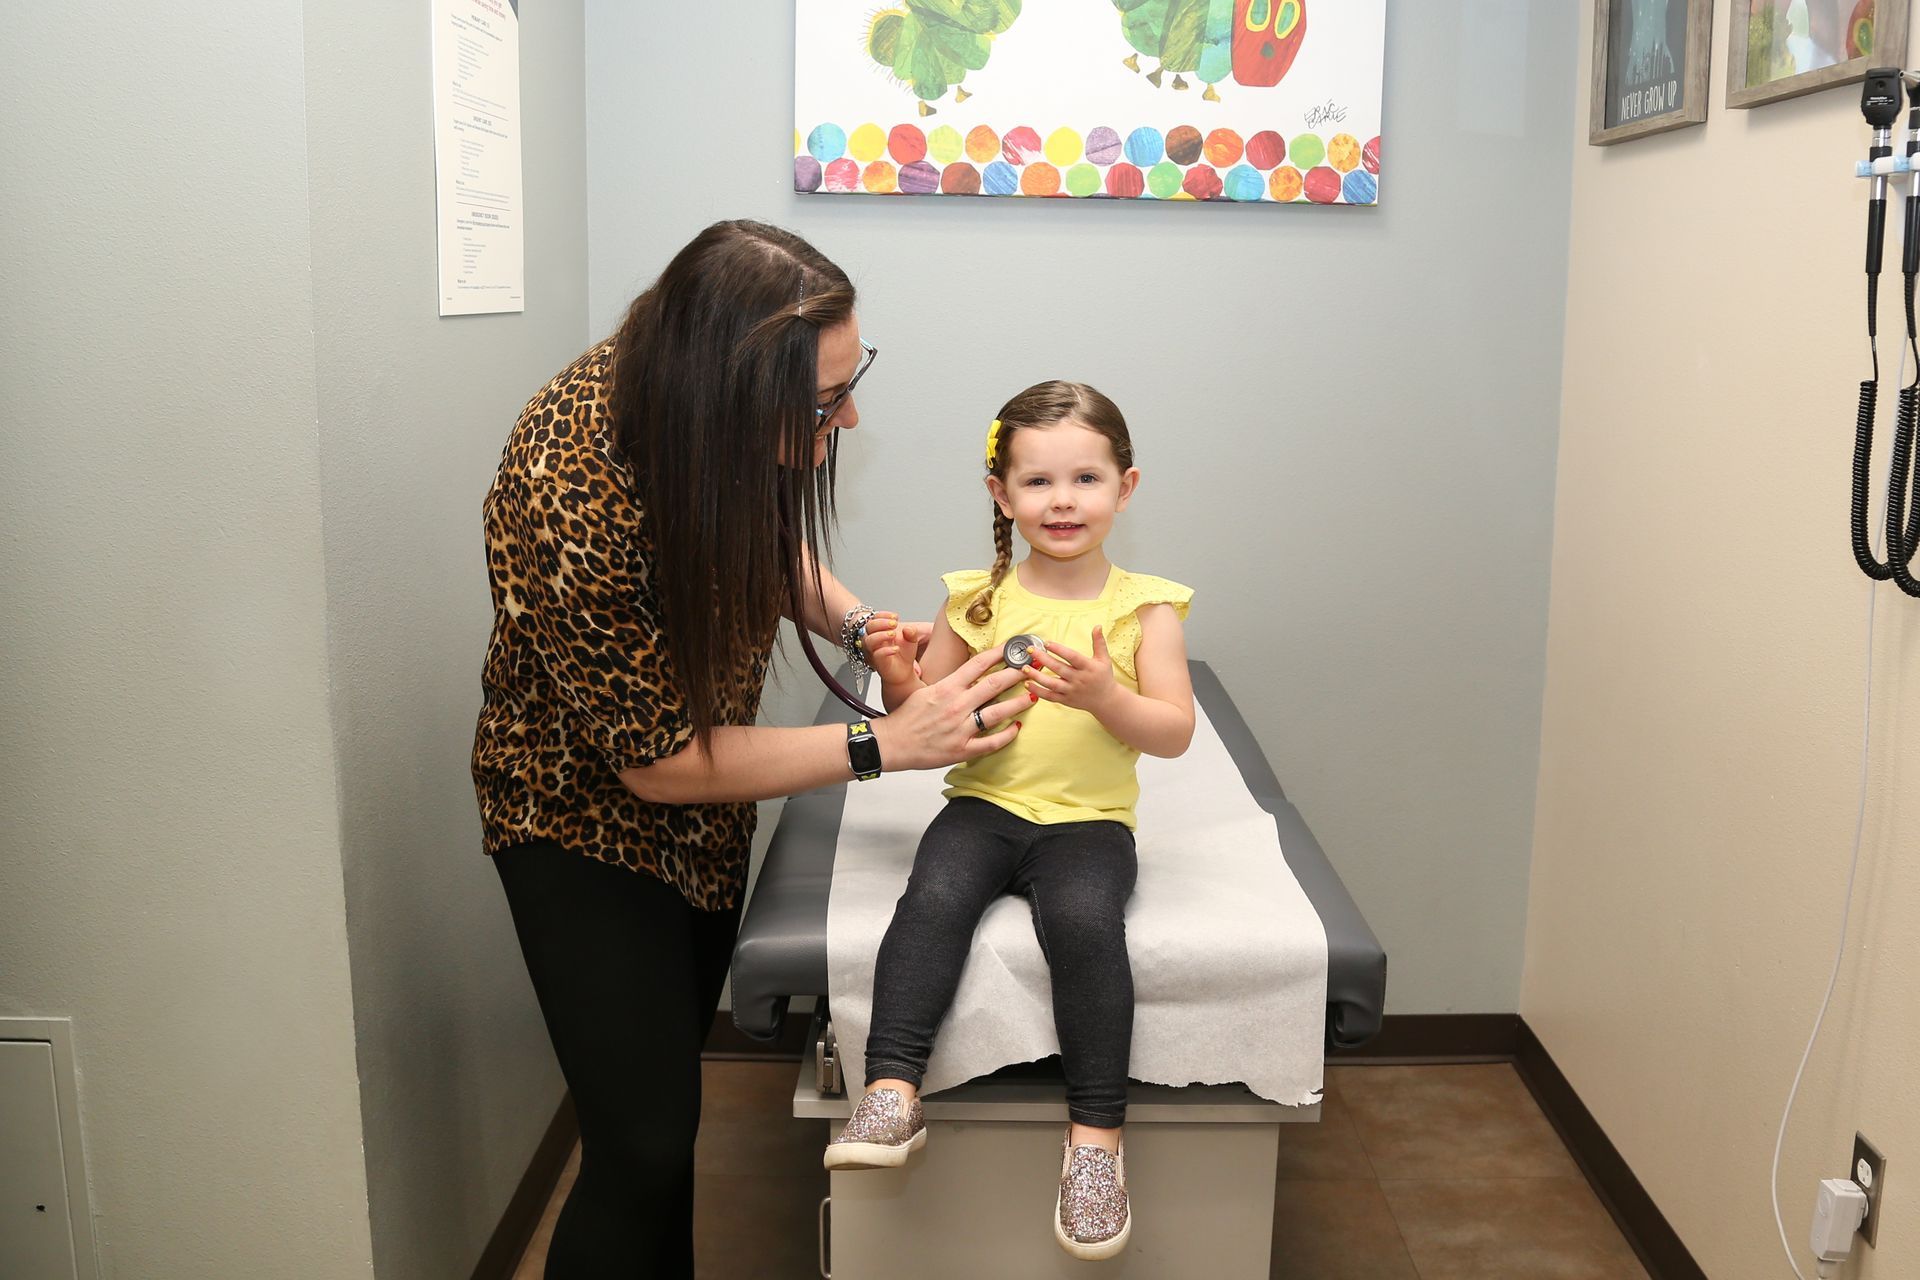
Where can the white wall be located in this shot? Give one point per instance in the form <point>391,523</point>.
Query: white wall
<point>1346,420</point>
<point>458,1081</point>
<point>1700,755</point>
<point>169,863</point>
<point>246,608</point>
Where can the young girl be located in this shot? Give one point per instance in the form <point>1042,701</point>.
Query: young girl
<point>1049,817</point>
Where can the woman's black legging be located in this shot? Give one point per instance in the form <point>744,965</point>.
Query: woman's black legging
<point>627,974</point>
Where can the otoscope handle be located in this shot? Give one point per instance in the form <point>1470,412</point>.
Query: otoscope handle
<point>1877,232</point>
<point>1910,257</point>
<point>1877,205</point>
<point>1910,260</point>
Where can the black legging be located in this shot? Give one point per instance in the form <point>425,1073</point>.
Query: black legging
<point>1076,878</point>
<point>628,975</point>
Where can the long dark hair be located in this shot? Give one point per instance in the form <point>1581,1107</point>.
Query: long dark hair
<point>1043,405</point>
<point>713,385</point>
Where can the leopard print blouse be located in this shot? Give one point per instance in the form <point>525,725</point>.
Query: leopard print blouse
<point>578,684</point>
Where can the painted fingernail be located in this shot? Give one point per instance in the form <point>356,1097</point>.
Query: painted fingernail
<point>1033,697</point>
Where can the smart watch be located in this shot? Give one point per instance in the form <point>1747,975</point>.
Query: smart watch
<point>863,751</point>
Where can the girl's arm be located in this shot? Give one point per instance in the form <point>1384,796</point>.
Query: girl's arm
<point>1158,720</point>
<point>945,653</point>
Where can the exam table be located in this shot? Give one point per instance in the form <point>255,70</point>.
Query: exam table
<point>1201,1159</point>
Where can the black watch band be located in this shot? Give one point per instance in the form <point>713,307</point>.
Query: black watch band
<point>863,751</point>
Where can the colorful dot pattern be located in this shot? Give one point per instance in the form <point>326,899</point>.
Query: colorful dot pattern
<point>1144,163</point>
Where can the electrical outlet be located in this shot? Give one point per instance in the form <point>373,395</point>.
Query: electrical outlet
<point>1868,1173</point>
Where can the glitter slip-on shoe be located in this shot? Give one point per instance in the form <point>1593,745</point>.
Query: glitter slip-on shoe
<point>881,1134</point>
<point>1091,1216</point>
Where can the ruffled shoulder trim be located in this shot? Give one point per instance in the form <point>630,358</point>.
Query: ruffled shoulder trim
<point>963,588</point>
<point>1131,594</point>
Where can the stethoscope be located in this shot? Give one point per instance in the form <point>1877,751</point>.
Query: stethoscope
<point>1017,653</point>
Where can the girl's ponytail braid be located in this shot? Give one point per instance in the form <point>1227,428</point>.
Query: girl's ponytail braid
<point>980,612</point>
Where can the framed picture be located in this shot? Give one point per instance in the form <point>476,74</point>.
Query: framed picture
<point>1650,64</point>
<point>1210,101</point>
<point>1784,48</point>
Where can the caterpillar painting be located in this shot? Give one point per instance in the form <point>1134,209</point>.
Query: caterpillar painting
<point>929,46</point>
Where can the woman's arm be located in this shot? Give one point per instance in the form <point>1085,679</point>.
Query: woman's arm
<point>933,728</point>
<point>1158,720</point>
<point>824,608</point>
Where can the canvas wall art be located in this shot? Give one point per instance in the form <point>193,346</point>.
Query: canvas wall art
<point>1274,101</point>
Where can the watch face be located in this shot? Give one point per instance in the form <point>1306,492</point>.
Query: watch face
<point>863,753</point>
<point>1019,651</point>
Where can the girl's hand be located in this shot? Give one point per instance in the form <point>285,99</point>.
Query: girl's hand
<point>891,647</point>
<point>1058,674</point>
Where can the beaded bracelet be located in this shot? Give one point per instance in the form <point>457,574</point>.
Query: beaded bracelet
<point>852,628</point>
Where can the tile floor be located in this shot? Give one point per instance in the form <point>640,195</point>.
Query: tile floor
<point>1413,1173</point>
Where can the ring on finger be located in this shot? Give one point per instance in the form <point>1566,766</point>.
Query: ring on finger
<point>978,722</point>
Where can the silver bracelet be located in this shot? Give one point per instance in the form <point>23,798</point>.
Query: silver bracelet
<point>853,628</point>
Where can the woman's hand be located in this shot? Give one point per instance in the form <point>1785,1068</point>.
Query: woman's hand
<point>936,727</point>
<point>1075,680</point>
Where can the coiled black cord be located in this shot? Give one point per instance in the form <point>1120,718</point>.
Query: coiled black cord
<point>1901,527</point>
<point>1903,522</point>
<point>1862,454</point>
<point>1903,492</point>
<point>1863,441</point>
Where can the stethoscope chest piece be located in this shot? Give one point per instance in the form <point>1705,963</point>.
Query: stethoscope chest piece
<point>1019,651</point>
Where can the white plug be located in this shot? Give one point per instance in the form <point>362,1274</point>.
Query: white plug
<point>1837,1213</point>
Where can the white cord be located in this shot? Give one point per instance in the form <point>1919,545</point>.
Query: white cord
<point>1846,913</point>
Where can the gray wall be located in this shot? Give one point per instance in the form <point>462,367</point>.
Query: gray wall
<point>457,1079</point>
<point>169,865</point>
<point>1346,420</point>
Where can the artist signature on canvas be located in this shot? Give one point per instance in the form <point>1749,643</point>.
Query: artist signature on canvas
<point>1327,112</point>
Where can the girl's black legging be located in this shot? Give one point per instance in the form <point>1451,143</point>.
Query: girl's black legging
<point>627,974</point>
<point>1076,878</point>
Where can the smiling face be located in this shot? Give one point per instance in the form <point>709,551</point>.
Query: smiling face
<point>1062,488</point>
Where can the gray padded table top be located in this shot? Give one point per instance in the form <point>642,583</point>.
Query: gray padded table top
<point>782,951</point>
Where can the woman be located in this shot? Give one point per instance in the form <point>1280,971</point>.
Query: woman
<point>658,508</point>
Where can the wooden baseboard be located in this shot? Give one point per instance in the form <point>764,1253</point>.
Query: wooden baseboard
<point>501,1257</point>
<point>1409,1038</point>
<point>1653,1238</point>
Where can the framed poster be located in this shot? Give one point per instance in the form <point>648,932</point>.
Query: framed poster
<point>1651,59</point>
<point>1203,100</point>
<point>1784,48</point>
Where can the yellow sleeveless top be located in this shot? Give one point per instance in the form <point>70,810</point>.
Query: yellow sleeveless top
<point>1063,766</point>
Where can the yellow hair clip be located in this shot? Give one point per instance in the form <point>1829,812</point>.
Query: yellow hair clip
<point>993,442</point>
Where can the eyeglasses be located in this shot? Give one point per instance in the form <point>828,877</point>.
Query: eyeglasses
<point>823,413</point>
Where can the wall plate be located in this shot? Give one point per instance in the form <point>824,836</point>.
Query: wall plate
<point>1869,1173</point>
<point>58,1033</point>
